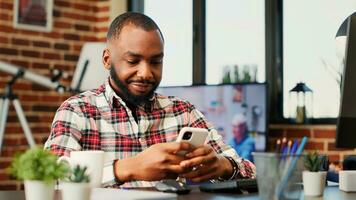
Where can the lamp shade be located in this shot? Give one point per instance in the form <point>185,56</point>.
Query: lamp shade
<point>301,87</point>
<point>343,28</point>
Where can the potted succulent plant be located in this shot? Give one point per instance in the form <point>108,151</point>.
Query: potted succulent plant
<point>39,170</point>
<point>76,185</point>
<point>313,178</point>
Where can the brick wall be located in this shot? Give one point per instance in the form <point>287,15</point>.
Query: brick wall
<point>74,23</point>
<point>321,138</point>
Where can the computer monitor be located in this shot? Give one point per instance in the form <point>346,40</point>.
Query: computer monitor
<point>226,107</point>
<point>346,124</point>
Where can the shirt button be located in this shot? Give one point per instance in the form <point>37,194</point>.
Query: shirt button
<point>141,140</point>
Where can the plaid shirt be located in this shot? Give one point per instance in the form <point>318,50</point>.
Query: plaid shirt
<point>100,120</point>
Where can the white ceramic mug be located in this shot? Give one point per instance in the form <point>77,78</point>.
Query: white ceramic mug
<point>94,160</point>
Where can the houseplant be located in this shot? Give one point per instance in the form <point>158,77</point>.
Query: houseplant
<point>38,168</point>
<point>76,185</point>
<point>313,178</point>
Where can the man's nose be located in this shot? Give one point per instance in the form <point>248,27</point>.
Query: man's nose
<point>145,72</point>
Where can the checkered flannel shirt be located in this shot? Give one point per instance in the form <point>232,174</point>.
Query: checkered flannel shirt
<point>100,120</point>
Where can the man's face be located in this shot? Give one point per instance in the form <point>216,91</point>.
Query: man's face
<point>135,61</point>
<point>239,131</point>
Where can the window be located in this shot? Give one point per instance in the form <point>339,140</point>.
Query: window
<point>310,53</point>
<point>235,35</point>
<point>175,21</point>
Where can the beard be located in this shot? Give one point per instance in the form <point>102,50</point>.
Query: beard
<point>125,92</point>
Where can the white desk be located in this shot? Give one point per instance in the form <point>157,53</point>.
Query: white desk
<point>331,193</point>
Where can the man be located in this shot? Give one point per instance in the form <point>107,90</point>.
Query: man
<point>242,142</point>
<point>136,126</point>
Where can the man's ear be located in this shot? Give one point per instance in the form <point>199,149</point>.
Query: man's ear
<point>106,58</point>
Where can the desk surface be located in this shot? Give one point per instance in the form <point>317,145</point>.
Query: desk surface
<point>331,193</point>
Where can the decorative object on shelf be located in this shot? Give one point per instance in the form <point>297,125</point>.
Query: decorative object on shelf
<point>39,170</point>
<point>301,100</point>
<point>314,180</point>
<point>33,14</point>
<point>77,185</point>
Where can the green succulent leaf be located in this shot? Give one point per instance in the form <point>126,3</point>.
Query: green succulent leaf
<point>313,162</point>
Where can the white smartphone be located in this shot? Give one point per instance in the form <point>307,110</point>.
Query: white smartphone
<point>195,136</point>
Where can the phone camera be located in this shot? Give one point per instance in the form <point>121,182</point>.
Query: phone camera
<point>187,135</point>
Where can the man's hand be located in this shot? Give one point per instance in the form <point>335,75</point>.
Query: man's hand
<point>207,165</point>
<point>157,162</point>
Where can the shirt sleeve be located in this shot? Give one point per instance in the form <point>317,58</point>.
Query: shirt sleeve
<point>246,168</point>
<point>66,134</point>
<point>65,131</point>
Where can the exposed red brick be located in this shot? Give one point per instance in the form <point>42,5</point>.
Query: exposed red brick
<point>20,63</point>
<point>29,97</point>
<point>29,53</point>
<point>102,19</point>
<point>59,24</point>
<point>70,36</point>
<point>82,6</point>
<point>298,133</point>
<point>41,44</point>
<point>62,3</point>
<point>80,27</point>
<point>101,29</point>
<point>71,57</point>
<point>44,108</point>
<point>311,145</point>
<point>4,164</point>
<point>20,42</point>
<point>52,56</point>
<point>324,133</point>
<point>7,6</point>
<point>4,40</point>
<point>55,35</point>
<point>38,65</point>
<point>8,51</point>
<point>47,98</point>
<point>61,46</point>
<point>89,38</point>
<point>6,29</point>
<point>334,158</point>
<point>4,16</point>
<point>101,9</point>
<point>22,86</point>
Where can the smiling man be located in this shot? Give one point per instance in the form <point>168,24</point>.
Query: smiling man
<point>136,126</point>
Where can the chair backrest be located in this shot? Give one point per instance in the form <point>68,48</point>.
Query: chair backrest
<point>90,72</point>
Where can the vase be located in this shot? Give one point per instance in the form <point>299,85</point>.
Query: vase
<point>38,190</point>
<point>314,183</point>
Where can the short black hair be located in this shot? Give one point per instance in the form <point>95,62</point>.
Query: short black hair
<point>134,18</point>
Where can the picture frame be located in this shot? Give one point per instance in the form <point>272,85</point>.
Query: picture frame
<point>33,15</point>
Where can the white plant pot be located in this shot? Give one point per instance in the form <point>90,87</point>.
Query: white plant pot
<point>39,190</point>
<point>314,183</point>
<point>77,191</point>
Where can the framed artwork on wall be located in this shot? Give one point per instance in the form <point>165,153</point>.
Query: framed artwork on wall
<point>33,14</point>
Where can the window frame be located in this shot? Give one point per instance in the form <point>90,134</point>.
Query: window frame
<point>273,54</point>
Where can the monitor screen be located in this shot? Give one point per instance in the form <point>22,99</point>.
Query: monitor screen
<point>231,109</point>
<point>346,126</point>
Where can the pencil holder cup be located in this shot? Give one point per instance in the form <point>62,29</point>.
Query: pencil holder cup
<point>279,177</point>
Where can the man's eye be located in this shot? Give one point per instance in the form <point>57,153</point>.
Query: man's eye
<point>132,62</point>
<point>156,62</point>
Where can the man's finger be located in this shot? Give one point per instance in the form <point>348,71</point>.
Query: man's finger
<point>196,161</point>
<point>200,171</point>
<point>174,147</point>
<point>200,151</point>
<point>177,169</point>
